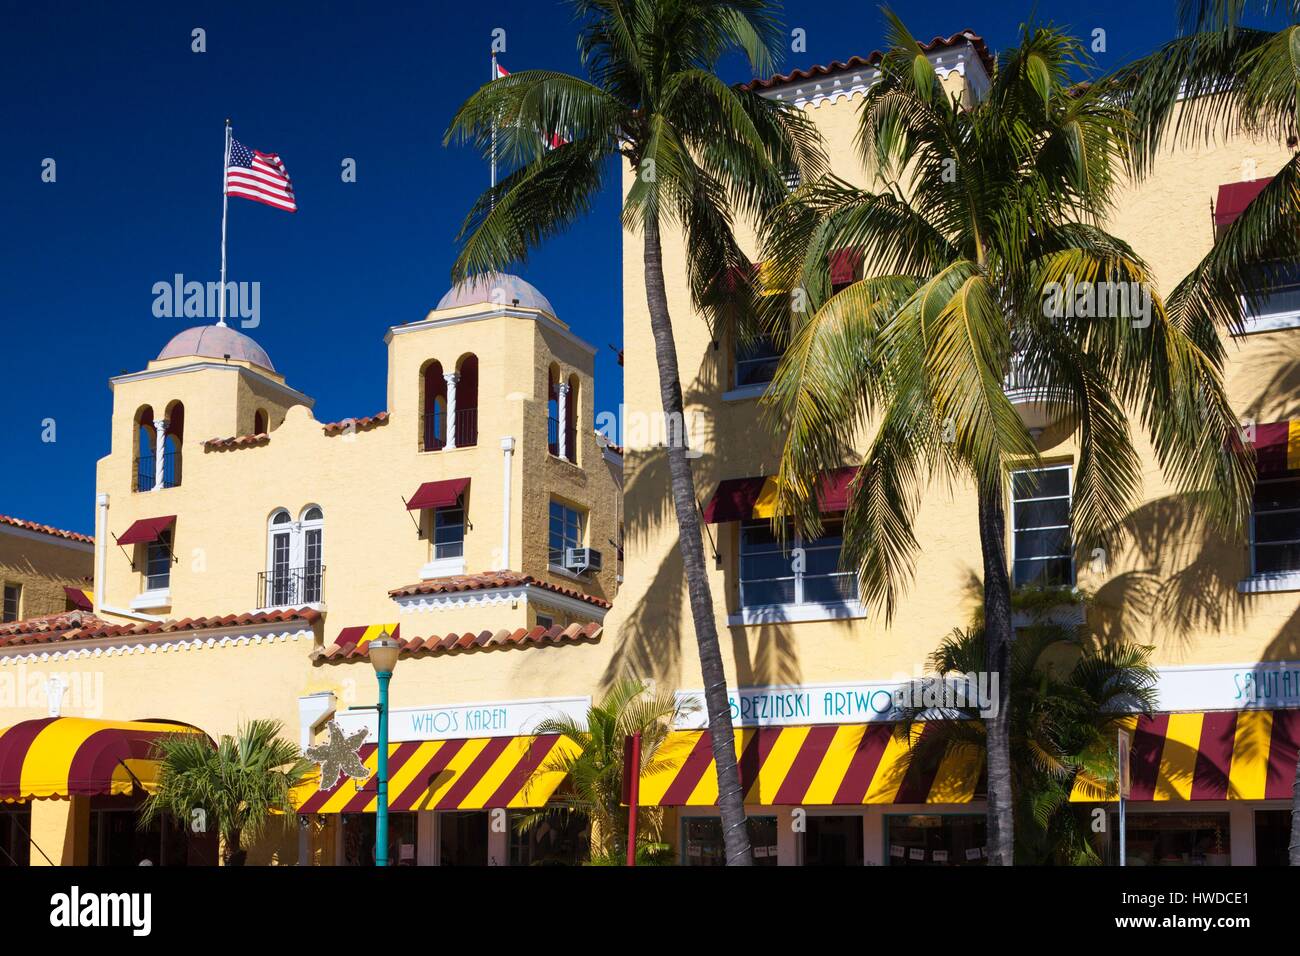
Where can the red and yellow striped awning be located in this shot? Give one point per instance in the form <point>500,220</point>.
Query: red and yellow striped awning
<point>824,765</point>
<point>467,774</point>
<point>78,756</point>
<point>1277,447</point>
<point>1219,755</point>
<point>363,634</point>
<point>740,499</point>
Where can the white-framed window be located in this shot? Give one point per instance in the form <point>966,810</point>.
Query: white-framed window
<point>1042,552</point>
<point>13,600</point>
<point>448,532</point>
<point>295,558</point>
<point>803,571</point>
<point>1275,527</point>
<point>565,531</point>
<point>158,563</point>
<point>1278,306</point>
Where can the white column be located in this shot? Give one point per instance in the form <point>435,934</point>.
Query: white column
<point>160,447</point>
<point>562,436</point>
<point>452,378</point>
<point>507,453</point>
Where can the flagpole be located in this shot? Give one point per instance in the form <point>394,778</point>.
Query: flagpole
<point>494,125</point>
<point>225,199</point>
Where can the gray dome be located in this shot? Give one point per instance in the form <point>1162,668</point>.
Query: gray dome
<point>216,341</point>
<point>496,289</point>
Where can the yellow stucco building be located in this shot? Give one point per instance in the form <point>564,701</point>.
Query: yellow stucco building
<point>245,554</point>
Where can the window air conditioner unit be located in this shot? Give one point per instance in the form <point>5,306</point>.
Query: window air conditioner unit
<point>580,560</point>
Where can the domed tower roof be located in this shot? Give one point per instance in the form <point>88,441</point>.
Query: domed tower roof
<point>217,341</point>
<point>497,289</point>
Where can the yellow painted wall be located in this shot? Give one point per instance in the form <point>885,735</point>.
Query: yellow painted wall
<point>43,565</point>
<point>1168,587</point>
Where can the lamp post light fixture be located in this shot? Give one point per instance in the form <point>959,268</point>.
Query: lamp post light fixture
<point>383,652</point>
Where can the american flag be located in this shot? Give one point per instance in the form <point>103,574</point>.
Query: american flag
<point>260,177</point>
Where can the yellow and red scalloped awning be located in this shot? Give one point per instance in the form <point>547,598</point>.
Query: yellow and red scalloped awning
<point>466,774</point>
<point>363,634</point>
<point>79,756</point>
<point>740,499</point>
<point>823,765</point>
<point>1217,755</point>
<point>1277,447</point>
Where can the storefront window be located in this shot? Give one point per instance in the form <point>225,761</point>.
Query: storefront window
<point>702,841</point>
<point>1272,837</point>
<point>116,838</point>
<point>935,839</point>
<point>553,840</point>
<point>1173,839</point>
<point>15,836</point>
<point>832,840</point>
<point>359,839</point>
<point>463,838</point>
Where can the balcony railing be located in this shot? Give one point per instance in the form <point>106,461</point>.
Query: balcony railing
<point>146,472</point>
<point>290,587</point>
<point>553,435</point>
<point>466,427</point>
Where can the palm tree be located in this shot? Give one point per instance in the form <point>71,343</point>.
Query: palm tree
<point>1070,694</point>
<point>981,214</point>
<point>703,153</point>
<point>241,787</point>
<point>594,768</point>
<point>1241,80</point>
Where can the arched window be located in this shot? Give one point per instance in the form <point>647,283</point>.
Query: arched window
<point>433,388</point>
<point>553,411</point>
<point>145,440</point>
<point>261,422</point>
<point>467,402</point>
<point>313,553</point>
<point>295,558</point>
<point>571,420</point>
<point>172,443</point>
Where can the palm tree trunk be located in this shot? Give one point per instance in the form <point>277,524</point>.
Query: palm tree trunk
<point>731,799</point>
<point>232,853</point>
<point>998,637</point>
<point>1294,850</point>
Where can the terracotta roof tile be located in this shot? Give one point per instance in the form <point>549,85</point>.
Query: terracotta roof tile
<point>874,58</point>
<point>357,424</point>
<point>88,627</point>
<point>49,624</point>
<point>46,529</point>
<point>490,580</point>
<point>239,441</point>
<point>468,642</point>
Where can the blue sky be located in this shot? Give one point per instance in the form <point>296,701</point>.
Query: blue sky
<point>133,119</point>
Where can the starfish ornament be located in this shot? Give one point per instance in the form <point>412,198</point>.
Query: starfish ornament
<point>339,757</point>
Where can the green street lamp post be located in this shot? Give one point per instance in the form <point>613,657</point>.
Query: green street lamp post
<point>383,652</point>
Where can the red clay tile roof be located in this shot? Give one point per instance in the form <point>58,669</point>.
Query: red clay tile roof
<point>490,580</point>
<point>239,441</point>
<point>83,626</point>
<point>46,529</point>
<point>487,640</point>
<point>48,624</point>
<point>358,424</point>
<point>874,58</point>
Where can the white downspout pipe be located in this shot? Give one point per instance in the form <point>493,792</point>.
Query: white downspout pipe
<point>101,563</point>
<point>508,451</point>
<point>313,710</point>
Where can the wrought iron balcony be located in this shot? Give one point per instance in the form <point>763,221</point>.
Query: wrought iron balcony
<point>146,471</point>
<point>290,587</point>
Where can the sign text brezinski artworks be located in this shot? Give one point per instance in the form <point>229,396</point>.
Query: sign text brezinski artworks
<point>76,909</point>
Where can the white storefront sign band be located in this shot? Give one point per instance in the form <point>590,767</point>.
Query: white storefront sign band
<point>1274,685</point>
<point>510,718</point>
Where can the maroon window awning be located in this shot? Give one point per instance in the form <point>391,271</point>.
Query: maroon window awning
<point>146,530</point>
<point>834,491</point>
<point>734,500</point>
<point>1276,451</point>
<point>437,494</point>
<point>846,265</point>
<point>1233,200</point>
<point>77,598</point>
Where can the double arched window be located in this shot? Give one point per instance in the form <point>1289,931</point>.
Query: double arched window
<point>157,459</point>
<point>295,558</point>
<point>562,415</point>
<point>449,404</point>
